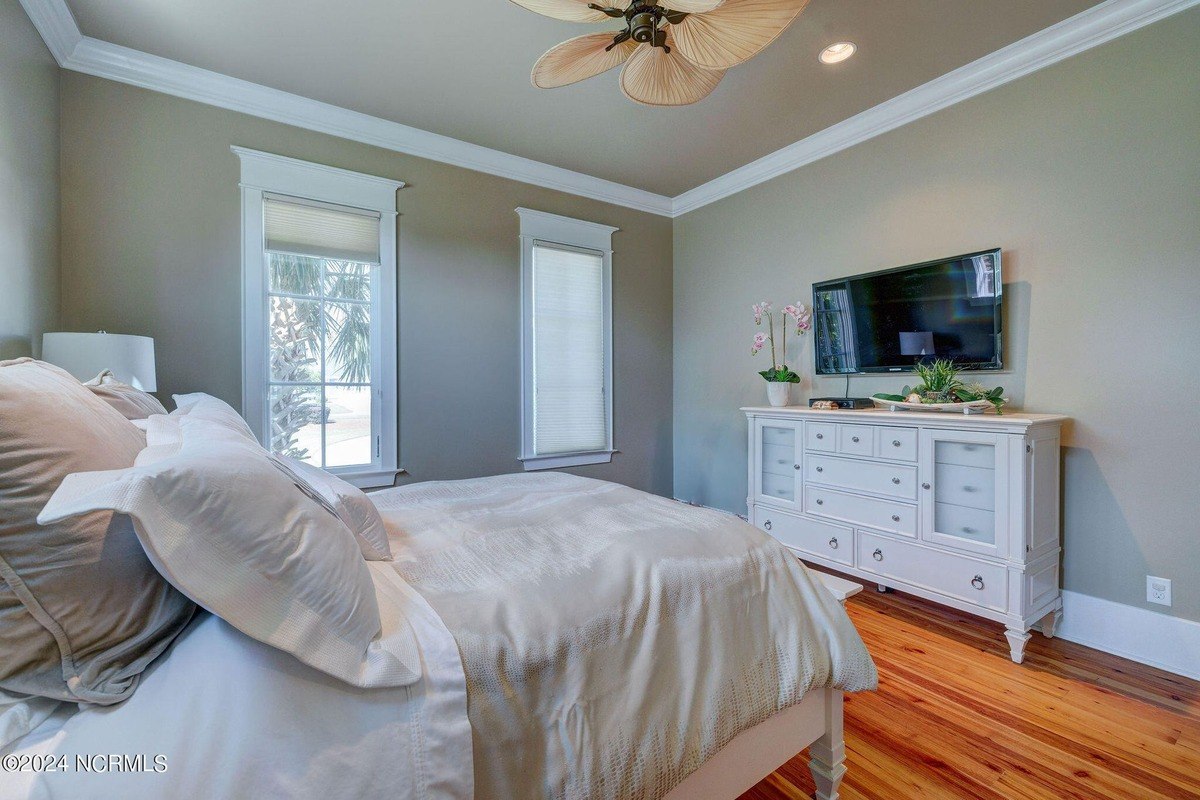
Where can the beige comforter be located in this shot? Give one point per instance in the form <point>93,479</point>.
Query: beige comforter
<point>612,640</point>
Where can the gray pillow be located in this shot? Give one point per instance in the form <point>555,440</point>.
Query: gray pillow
<point>82,610</point>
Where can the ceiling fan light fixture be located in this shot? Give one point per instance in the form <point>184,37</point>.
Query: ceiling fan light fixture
<point>837,52</point>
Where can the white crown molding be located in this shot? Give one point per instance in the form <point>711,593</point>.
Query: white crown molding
<point>1139,634</point>
<point>57,26</point>
<point>84,54</point>
<point>1088,29</point>
<point>1085,30</point>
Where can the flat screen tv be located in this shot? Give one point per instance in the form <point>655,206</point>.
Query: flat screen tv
<point>888,321</point>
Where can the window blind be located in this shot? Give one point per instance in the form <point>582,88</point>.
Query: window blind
<point>305,229</point>
<point>569,368</point>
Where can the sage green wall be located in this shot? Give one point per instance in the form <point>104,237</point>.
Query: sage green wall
<point>150,239</point>
<point>29,80</point>
<point>1088,175</point>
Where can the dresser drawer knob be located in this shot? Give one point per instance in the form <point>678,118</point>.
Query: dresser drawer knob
<point>977,582</point>
<point>833,543</point>
<point>969,489</point>
<point>820,436</point>
<point>895,442</point>
<point>767,524</point>
<point>820,469</point>
<point>968,529</point>
<point>896,481</point>
<point>877,555</point>
<point>924,485</point>
<point>820,502</point>
<point>795,466</point>
<point>895,517</point>
<point>854,439</point>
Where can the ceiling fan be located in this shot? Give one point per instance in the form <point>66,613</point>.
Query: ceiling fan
<point>674,55</point>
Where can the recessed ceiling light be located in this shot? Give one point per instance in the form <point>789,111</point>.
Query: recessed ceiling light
<point>838,52</point>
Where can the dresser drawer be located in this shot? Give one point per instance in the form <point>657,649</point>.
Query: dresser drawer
<point>820,436</point>
<point>809,535</point>
<point>864,476</point>
<point>780,487</point>
<point>778,459</point>
<point>968,524</point>
<point>965,454</point>
<point>856,440</point>
<point>974,487</point>
<point>897,443</point>
<point>973,581</point>
<point>783,435</point>
<point>886,515</point>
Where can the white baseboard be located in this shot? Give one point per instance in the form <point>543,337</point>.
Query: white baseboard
<point>1141,635</point>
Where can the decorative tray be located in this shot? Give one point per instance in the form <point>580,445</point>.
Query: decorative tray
<point>973,407</point>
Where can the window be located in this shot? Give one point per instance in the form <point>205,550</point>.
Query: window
<point>566,341</point>
<point>319,315</point>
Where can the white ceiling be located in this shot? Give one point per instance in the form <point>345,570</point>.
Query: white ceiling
<point>461,69</point>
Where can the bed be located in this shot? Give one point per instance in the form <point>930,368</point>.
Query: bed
<point>576,639</point>
<point>553,612</point>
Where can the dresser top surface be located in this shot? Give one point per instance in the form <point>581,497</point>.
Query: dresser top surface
<point>916,419</point>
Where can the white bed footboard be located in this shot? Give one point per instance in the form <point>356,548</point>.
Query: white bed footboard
<point>816,723</point>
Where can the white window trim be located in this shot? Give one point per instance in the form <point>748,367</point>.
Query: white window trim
<point>269,174</point>
<point>540,226</point>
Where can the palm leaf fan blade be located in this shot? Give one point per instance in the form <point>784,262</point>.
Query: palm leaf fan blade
<point>734,32</point>
<point>578,59</point>
<point>567,10</point>
<point>691,6</point>
<point>655,77</point>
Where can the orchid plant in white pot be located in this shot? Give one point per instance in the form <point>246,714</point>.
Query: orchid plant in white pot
<point>779,377</point>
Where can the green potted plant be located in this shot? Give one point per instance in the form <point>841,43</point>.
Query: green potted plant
<point>940,384</point>
<point>779,377</point>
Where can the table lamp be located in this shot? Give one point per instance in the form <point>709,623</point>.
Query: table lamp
<point>85,355</point>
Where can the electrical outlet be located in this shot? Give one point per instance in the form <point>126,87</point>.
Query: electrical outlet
<point>1158,590</point>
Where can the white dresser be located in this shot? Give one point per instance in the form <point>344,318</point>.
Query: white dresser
<point>961,510</point>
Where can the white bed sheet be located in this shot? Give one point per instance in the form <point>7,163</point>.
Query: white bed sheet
<point>613,640</point>
<point>235,718</point>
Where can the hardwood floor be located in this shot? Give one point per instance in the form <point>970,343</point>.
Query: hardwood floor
<point>955,718</point>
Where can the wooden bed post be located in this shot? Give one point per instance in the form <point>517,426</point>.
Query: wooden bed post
<point>827,755</point>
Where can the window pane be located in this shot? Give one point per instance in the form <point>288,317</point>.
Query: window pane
<point>348,342</point>
<point>295,274</point>
<point>347,280</point>
<point>570,413</point>
<point>295,340</point>
<point>348,439</point>
<point>296,422</point>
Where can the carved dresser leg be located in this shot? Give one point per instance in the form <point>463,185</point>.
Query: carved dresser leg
<point>827,755</point>
<point>1050,623</point>
<point>1017,637</point>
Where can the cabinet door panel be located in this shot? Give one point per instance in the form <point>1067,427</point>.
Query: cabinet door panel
<point>964,490</point>
<point>775,461</point>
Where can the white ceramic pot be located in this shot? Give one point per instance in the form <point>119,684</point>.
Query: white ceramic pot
<point>778,393</point>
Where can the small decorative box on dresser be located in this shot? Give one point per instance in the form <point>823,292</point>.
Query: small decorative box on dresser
<point>962,510</point>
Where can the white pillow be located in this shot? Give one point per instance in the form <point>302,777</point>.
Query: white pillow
<point>204,406</point>
<point>231,530</point>
<point>351,504</point>
<point>348,502</point>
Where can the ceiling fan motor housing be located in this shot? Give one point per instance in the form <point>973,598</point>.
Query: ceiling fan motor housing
<point>643,25</point>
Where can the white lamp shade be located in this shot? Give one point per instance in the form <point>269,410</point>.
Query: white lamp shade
<point>85,355</point>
